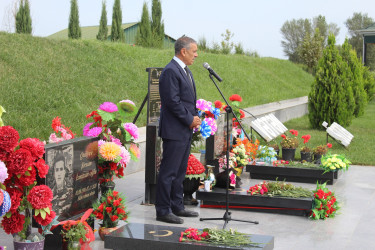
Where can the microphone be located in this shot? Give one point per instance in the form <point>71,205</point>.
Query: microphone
<point>212,72</point>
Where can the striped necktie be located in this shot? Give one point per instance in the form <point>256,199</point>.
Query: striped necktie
<point>188,74</point>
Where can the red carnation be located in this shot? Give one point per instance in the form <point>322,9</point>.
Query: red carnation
<point>116,203</point>
<point>306,138</point>
<point>8,138</point>
<point>120,210</point>
<point>235,97</point>
<point>109,199</point>
<point>113,165</point>
<point>40,197</point>
<point>329,145</point>
<point>242,114</point>
<point>15,197</point>
<point>218,104</point>
<point>283,136</point>
<point>4,155</point>
<point>120,172</point>
<point>42,168</point>
<point>101,207</point>
<point>19,161</point>
<point>34,145</point>
<point>115,193</point>
<point>56,123</point>
<point>14,223</point>
<point>108,209</point>
<point>27,180</point>
<point>114,217</point>
<point>47,220</point>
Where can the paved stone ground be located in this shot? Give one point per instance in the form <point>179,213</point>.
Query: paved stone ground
<point>353,227</point>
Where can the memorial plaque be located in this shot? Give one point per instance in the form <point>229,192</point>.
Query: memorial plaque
<point>153,106</point>
<point>339,133</point>
<point>216,145</point>
<point>268,127</point>
<point>72,175</point>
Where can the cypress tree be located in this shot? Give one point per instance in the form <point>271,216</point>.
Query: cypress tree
<point>103,29</point>
<point>74,31</point>
<point>157,25</point>
<point>331,96</point>
<point>23,19</point>
<point>117,34</point>
<point>356,77</point>
<point>144,32</point>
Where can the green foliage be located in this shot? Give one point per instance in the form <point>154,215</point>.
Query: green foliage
<point>238,49</point>
<point>117,34</point>
<point>74,30</point>
<point>103,28</point>
<point>355,76</point>
<point>369,83</point>
<point>203,45</point>
<point>144,35</point>
<point>357,22</point>
<point>23,19</point>
<point>331,97</point>
<point>157,25</point>
<point>74,232</point>
<point>2,110</point>
<point>311,50</point>
<point>226,44</point>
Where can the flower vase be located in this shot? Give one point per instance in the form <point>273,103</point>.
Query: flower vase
<point>190,186</point>
<point>105,187</point>
<point>288,154</point>
<point>39,245</point>
<point>74,245</point>
<point>317,158</point>
<point>306,156</point>
<point>103,231</point>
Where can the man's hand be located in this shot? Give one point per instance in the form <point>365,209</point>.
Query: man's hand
<point>196,122</point>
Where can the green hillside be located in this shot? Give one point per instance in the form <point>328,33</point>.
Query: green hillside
<point>43,78</point>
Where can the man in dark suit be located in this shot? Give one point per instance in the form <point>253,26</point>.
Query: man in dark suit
<point>178,117</point>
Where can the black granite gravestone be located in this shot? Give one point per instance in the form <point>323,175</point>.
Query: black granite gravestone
<point>156,237</point>
<point>72,176</point>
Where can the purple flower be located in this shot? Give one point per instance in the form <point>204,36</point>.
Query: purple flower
<point>212,123</point>
<point>86,128</point>
<point>94,132</point>
<point>3,172</point>
<point>109,107</point>
<point>132,130</point>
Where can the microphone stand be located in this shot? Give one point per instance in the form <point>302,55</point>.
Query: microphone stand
<point>227,215</point>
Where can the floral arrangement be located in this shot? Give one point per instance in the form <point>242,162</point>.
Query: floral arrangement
<point>110,209</point>
<point>332,163</point>
<point>279,189</point>
<point>223,161</point>
<point>250,147</point>
<point>116,146</point>
<point>217,237</point>
<point>62,132</point>
<point>195,168</point>
<point>24,164</point>
<point>266,154</point>
<point>279,163</point>
<point>242,158</point>
<point>290,142</point>
<point>322,149</point>
<point>74,231</point>
<point>306,139</point>
<point>2,110</point>
<point>325,203</point>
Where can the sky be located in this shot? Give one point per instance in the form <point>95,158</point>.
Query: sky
<point>255,24</point>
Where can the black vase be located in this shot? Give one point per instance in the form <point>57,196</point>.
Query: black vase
<point>306,156</point>
<point>104,187</point>
<point>288,154</point>
<point>317,158</point>
<point>190,187</point>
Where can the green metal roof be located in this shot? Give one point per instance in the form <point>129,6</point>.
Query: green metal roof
<point>88,32</point>
<point>369,31</point>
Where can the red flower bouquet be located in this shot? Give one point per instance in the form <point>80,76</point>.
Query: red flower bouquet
<point>24,164</point>
<point>195,169</point>
<point>110,209</point>
<point>325,204</point>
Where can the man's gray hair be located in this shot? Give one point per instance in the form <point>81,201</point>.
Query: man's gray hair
<point>183,42</point>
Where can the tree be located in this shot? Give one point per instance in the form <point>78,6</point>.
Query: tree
<point>354,24</point>
<point>331,96</point>
<point>293,33</point>
<point>226,44</point>
<point>310,51</point>
<point>144,36</point>
<point>369,83</point>
<point>117,34</point>
<point>157,25</point>
<point>23,19</point>
<point>238,49</point>
<point>355,77</point>
<point>325,29</point>
<point>103,28</point>
<point>74,31</point>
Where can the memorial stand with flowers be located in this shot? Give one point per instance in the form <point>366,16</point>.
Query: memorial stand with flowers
<point>195,173</point>
<point>24,164</point>
<point>116,146</point>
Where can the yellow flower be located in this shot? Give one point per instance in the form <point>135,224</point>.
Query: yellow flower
<point>332,167</point>
<point>110,151</point>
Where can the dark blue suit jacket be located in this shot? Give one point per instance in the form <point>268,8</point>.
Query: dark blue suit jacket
<point>178,101</point>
